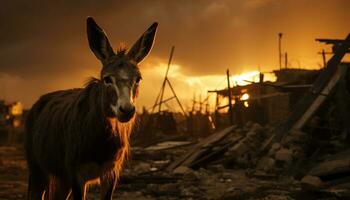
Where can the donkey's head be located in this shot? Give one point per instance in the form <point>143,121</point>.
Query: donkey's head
<point>120,74</point>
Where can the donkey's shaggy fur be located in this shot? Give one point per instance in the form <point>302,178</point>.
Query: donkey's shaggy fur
<point>74,137</point>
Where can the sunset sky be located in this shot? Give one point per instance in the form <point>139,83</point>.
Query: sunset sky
<point>43,44</point>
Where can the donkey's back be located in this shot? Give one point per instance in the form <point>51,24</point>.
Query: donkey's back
<point>46,125</point>
<point>44,145</point>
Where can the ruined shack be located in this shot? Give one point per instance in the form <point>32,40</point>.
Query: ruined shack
<point>265,102</point>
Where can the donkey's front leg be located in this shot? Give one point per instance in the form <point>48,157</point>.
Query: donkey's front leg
<point>108,183</point>
<point>78,189</point>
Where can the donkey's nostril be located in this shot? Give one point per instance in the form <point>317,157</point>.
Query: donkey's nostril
<point>122,109</point>
<point>127,110</point>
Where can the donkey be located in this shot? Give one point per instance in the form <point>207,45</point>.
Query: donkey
<point>80,136</point>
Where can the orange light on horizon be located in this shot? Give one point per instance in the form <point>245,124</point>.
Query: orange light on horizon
<point>249,77</point>
<point>187,85</point>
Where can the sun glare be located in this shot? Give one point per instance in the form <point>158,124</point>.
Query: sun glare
<point>245,78</point>
<point>249,77</point>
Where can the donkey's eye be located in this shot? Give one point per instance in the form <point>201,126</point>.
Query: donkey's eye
<point>107,80</point>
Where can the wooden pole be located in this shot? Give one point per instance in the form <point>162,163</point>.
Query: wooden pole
<point>193,102</point>
<point>177,99</point>
<point>229,97</point>
<point>207,104</point>
<point>217,117</point>
<point>280,49</point>
<point>169,62</point>
<point>156,102</point>
<point>285,60</point>
<point>200,103</point>
<point>161,97</point>
<point>165,79</point>
<point>324,58</point>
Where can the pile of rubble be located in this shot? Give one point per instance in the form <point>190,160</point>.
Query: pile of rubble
<point>230,164</point>
<point>206,169</point>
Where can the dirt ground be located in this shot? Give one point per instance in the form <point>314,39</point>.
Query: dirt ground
<point>143,180</point>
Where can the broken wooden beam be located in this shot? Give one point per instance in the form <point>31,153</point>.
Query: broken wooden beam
<point>213,155</point>
<point>199,148</point>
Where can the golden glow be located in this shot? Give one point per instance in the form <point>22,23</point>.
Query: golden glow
<point>245,97</point>
<point>246,104</point>
<point>16,109</point>
<point>242,79</point>
<point>249,77</point>
<point>16,123</point>
<point>186,86</point>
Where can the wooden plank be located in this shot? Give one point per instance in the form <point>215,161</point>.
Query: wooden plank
<point>331,168</point>
<point>200,147</point>
<point>321,97</point>
<point>168,145</point>
<point>229,95</point>
<point>342,101</point>
<point>211,156</point>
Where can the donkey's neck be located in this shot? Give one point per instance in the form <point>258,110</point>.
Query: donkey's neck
<point>91,104</point>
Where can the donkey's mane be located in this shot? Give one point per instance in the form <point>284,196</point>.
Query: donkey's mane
<point>90,81</point>
<point>121,51</point>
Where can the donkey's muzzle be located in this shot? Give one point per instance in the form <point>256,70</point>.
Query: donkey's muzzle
<point>126,113</point>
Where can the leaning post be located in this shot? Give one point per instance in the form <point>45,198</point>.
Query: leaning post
<point>229,97</point>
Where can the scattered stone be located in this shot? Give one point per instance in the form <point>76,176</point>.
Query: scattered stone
<point>142,167</point>
<point>182,170</point>
<point>266,164</point>
<point>153,169</point>
<point>285,155</point>
<point>216,168</point>
<point>276,146</point>
<point>311,183</point>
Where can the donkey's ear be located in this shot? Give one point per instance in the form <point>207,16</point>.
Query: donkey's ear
<point>143,45</point>
<point>98,41</point>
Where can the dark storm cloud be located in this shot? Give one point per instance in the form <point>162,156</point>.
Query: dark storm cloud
<point>44,36</point>
<point>46,40</point>
<point>40,37</point>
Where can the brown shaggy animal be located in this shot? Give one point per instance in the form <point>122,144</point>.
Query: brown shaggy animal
<point>80,136</point>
